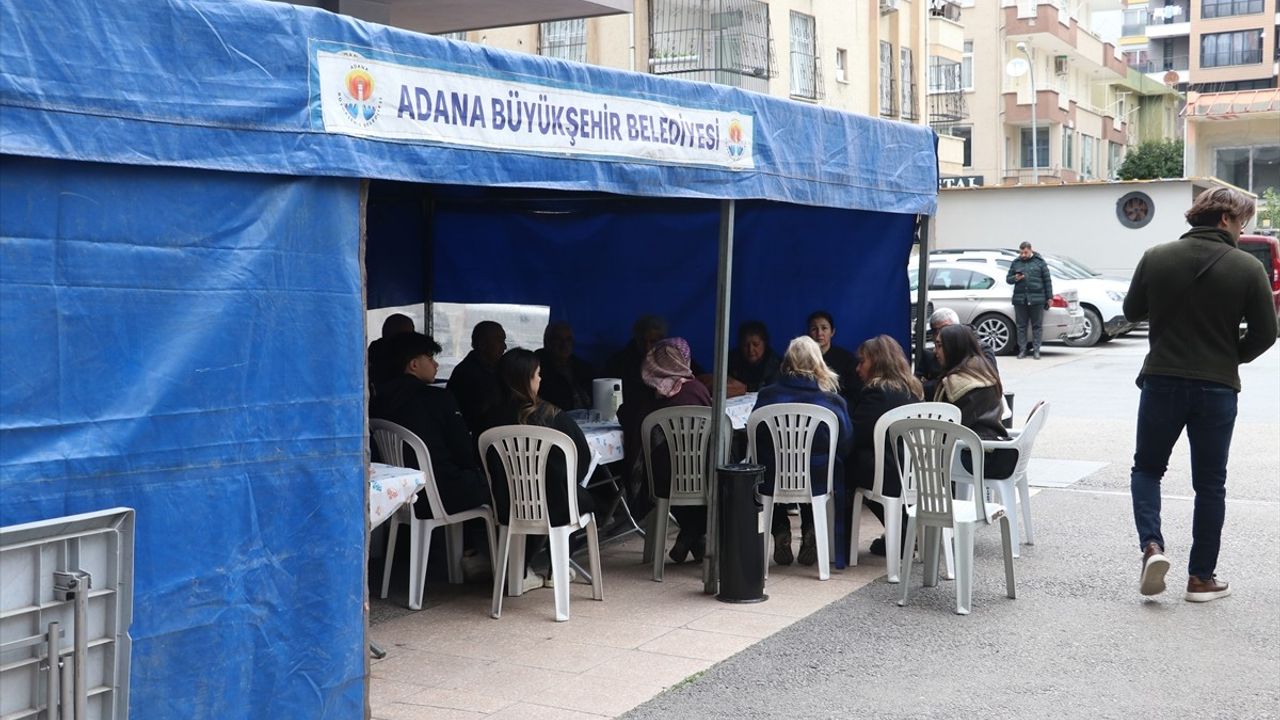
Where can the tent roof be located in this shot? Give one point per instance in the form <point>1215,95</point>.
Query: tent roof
<point>239,85</point>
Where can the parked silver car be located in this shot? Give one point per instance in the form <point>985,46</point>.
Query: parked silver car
<point>979,295</point>
<point>1102,298</point>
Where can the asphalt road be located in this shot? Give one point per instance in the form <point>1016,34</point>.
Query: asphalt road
<point>1078,641</point>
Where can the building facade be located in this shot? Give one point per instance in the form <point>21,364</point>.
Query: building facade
<point>867,56</point>
<point>1049,101</point>
<point>1204,46</point>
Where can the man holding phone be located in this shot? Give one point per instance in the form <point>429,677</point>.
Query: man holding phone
<point>1032,291</point>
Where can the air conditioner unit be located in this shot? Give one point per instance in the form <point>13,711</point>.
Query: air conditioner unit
<point>1060,65</point>
<point>888,6</point>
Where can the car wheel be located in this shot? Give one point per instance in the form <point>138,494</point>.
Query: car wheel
<point>997,332</point>
<point>1092,330</point>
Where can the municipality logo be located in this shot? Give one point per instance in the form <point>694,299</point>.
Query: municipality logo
<point>736,145</point>
<point>357,96</point>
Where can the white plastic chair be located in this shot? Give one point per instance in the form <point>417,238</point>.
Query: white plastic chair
<point>932,446</point>
<point>893,505</point>
<point>792,428</point>
<point>524,451</point>
<point>1016,488</point>
<point>392,439</point>
<point>687,432</point>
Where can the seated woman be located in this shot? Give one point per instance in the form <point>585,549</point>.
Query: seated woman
<point>887,383</point>
<point>804,378</point>
<point>753,363</point>
<point>521,376</point>
<point>410,400</point>
<point>970,383</point>
<point>667,371</point>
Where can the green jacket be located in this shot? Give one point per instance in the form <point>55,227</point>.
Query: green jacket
<point>1195,323</point>
<point>1036,286</point>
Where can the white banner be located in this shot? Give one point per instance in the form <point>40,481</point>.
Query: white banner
<point>377,99</point>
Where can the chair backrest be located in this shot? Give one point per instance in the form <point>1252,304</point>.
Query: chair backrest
<point>931,446</point>
<point>1027,438</point>
<point>792,428</point>
<point>927,411</point>
<point>391,440</point>
<point>686,429</point>
<point>523,451</point>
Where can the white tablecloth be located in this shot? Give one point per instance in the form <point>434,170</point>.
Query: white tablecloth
<point>389,488</point>
<point>605,438</point>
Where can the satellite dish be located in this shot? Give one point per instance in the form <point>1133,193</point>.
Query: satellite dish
<point>1171,78</point>
<point>1017,67</point>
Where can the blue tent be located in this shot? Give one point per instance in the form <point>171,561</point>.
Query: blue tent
<point>184,217</point>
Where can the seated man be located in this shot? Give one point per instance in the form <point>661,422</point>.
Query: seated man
<point>929,371</point>
<point>382,367</point>
<point>474,382</point>
<point>431,413</point>
<point>566,378</point>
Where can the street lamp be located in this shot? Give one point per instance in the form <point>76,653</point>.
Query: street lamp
<point>1035,138</point>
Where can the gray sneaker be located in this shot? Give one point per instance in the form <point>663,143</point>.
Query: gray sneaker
<point>782,548</point>
<point>1154,567</point>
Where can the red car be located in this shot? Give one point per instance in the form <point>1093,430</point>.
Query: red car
<point>1267,250</point>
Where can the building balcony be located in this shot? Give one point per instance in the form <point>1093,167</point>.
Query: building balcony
<point>1169,30</point>
<point>1048,174</point>
<point>1049,109</point>
<point>946,35</point>
<point>1057,32</point>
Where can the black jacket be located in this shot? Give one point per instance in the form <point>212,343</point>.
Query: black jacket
<point>845,364</point>
<point>557,499</point>
<point>872,403</point>
<point>432,414</point>
<point>1036,286</point>
<point>1195,323</point>
<point>754,376</point>
<point>566,388</point>
<point>477,390</point>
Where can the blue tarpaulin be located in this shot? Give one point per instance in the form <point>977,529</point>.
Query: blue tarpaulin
<point>181,316</point>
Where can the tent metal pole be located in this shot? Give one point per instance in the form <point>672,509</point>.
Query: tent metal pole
<point>724,277</point>
<point>924,224</point>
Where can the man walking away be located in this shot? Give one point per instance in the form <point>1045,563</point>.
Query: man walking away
<point>1032,291</point>
<point>1194,292</point>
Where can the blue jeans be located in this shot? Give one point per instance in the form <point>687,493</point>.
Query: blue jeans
<point>1208,411</point>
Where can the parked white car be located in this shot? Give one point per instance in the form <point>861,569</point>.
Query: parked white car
<point>1102,298</point>
<point>983,300</point>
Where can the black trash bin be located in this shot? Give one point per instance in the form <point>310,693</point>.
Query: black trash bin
<point>742,526</point>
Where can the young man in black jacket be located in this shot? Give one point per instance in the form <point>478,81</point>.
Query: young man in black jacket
<point>1194,292</point>
<point>431,413</point>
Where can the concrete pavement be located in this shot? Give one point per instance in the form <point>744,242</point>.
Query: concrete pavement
<point>1078,641</point>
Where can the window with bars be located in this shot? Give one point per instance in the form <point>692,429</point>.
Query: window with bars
<point>563,39</point>
<point>804,56</point>
<point>907,70</point>
<point>720,41</point>
<point>1243,47</point>
<point>887,93</point>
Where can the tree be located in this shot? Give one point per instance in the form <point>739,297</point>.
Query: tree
<point>1159,159</point>
<point>1270,208</point>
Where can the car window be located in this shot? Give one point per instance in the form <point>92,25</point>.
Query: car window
<point>981,281</point>
<point>949,278</point>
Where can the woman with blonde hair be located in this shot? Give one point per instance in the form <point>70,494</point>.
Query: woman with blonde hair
<point>805,378</point>
<point>887,383</point>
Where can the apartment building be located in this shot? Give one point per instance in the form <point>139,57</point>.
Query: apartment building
<point>866,56</point>
<point>1049,101</point>
<point>1203,45</point>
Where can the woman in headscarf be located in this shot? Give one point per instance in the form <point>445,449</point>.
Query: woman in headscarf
<point>805,378</point>
<point>667,370</point>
